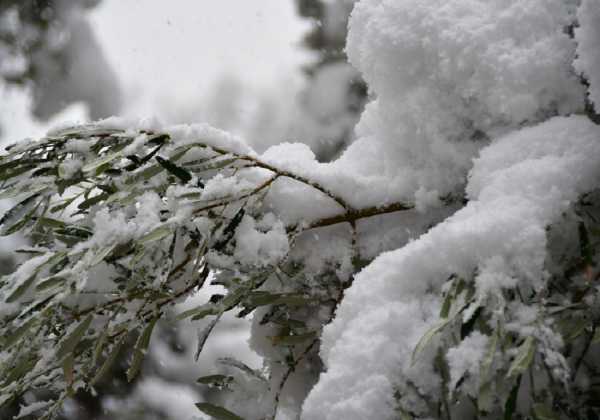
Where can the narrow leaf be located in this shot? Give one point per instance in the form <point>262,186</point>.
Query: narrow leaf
<point>219,381</point>
<point>523,359</point>
<point>427,337</point>
<point>511,403</point>
<point>203,336</point>
<point>110,360</point>
<point>216,412</point>
<point>178,171</point>
<point>68,344</point>
<point>139,352</point>
<point>543,412</point>
<point>156,234</point>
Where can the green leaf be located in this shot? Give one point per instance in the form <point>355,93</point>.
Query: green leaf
<point>262,298</point>
<point>199,312</point>
<point>596,338</point>
<point>68,365</point>
<point>92,166</point>
<point>511,403</point>
<point>543,412</point>
<point>52,223</point>
<point>488,358</point>
<point>110,360</point>
<point>139,352</point>
<point>25,285</point>
<point>178,171</point>
<point>231,362</point>
<point>101,254</point>
<point>21,289</point>
<point>99,346</point>
<point>86,204</point>
<point>69,343</point>
<point>585,246</point>
<point>427,337</point>
<point>484,398</point>
<point>404,415</point>
<point>22,368</point>
<point>523,359</point>
<point>215,166</point>
<point>156,234</point>
<point>145,175</point>
<point>574,328</point>
<point>216,412</point>
<point>50,283</point>
<point>292,340</point>
<point>19,333</point>
<point>5,175</point>
<point>203,335</point>
<point>22,189</point>
<point>219,381</point>
<point>234,297</point>
<point>23,211</point>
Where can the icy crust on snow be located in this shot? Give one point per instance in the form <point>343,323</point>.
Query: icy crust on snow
<point>587,37</point>
<point>520,184</point>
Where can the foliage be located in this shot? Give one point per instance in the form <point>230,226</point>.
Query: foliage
<point>122,228</point>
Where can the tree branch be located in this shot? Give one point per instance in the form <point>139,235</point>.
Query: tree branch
<point>354,215</point>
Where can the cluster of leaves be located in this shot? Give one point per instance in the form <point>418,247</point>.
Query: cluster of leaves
<point>81,294</point>
<point>553,371</point>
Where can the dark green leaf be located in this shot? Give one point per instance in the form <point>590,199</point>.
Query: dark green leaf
<point>139,352</point>
<point>21,289</point>
<point>156,234</point>
<point>19,333</point>
<point>86,204</point>
<point>219,381</point>
<point>50,283</point>
<point>523,359</point>
<point>178,171</point>
<point>292,340</point>
<point>69,343</point>
<point>584,244</point>
<point>52,223</point>
<point>216,412</point>
<point>230,361</point>
<point>543,412</point>
<point>198,312</point>
<point>110,360</point>
<point>511,403</point>
<point>204,334</point>
<point>21,369</point>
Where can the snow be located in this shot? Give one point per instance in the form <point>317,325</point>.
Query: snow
<point>394,297</point>
<point>587,36</point>
<point>27,410</point>
<point>254,247</point>
<point>465,359</point>
<point>173,400</point>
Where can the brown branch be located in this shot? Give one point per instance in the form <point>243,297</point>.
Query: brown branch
<point>281,172</point>
<point>355,215</point>
<point>256,190</point>
<point>299,178</point>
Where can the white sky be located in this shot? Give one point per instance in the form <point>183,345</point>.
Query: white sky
<point>175,50</point>
<point>179,48</point>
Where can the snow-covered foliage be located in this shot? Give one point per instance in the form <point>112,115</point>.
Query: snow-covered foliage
<point>444,266</point>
